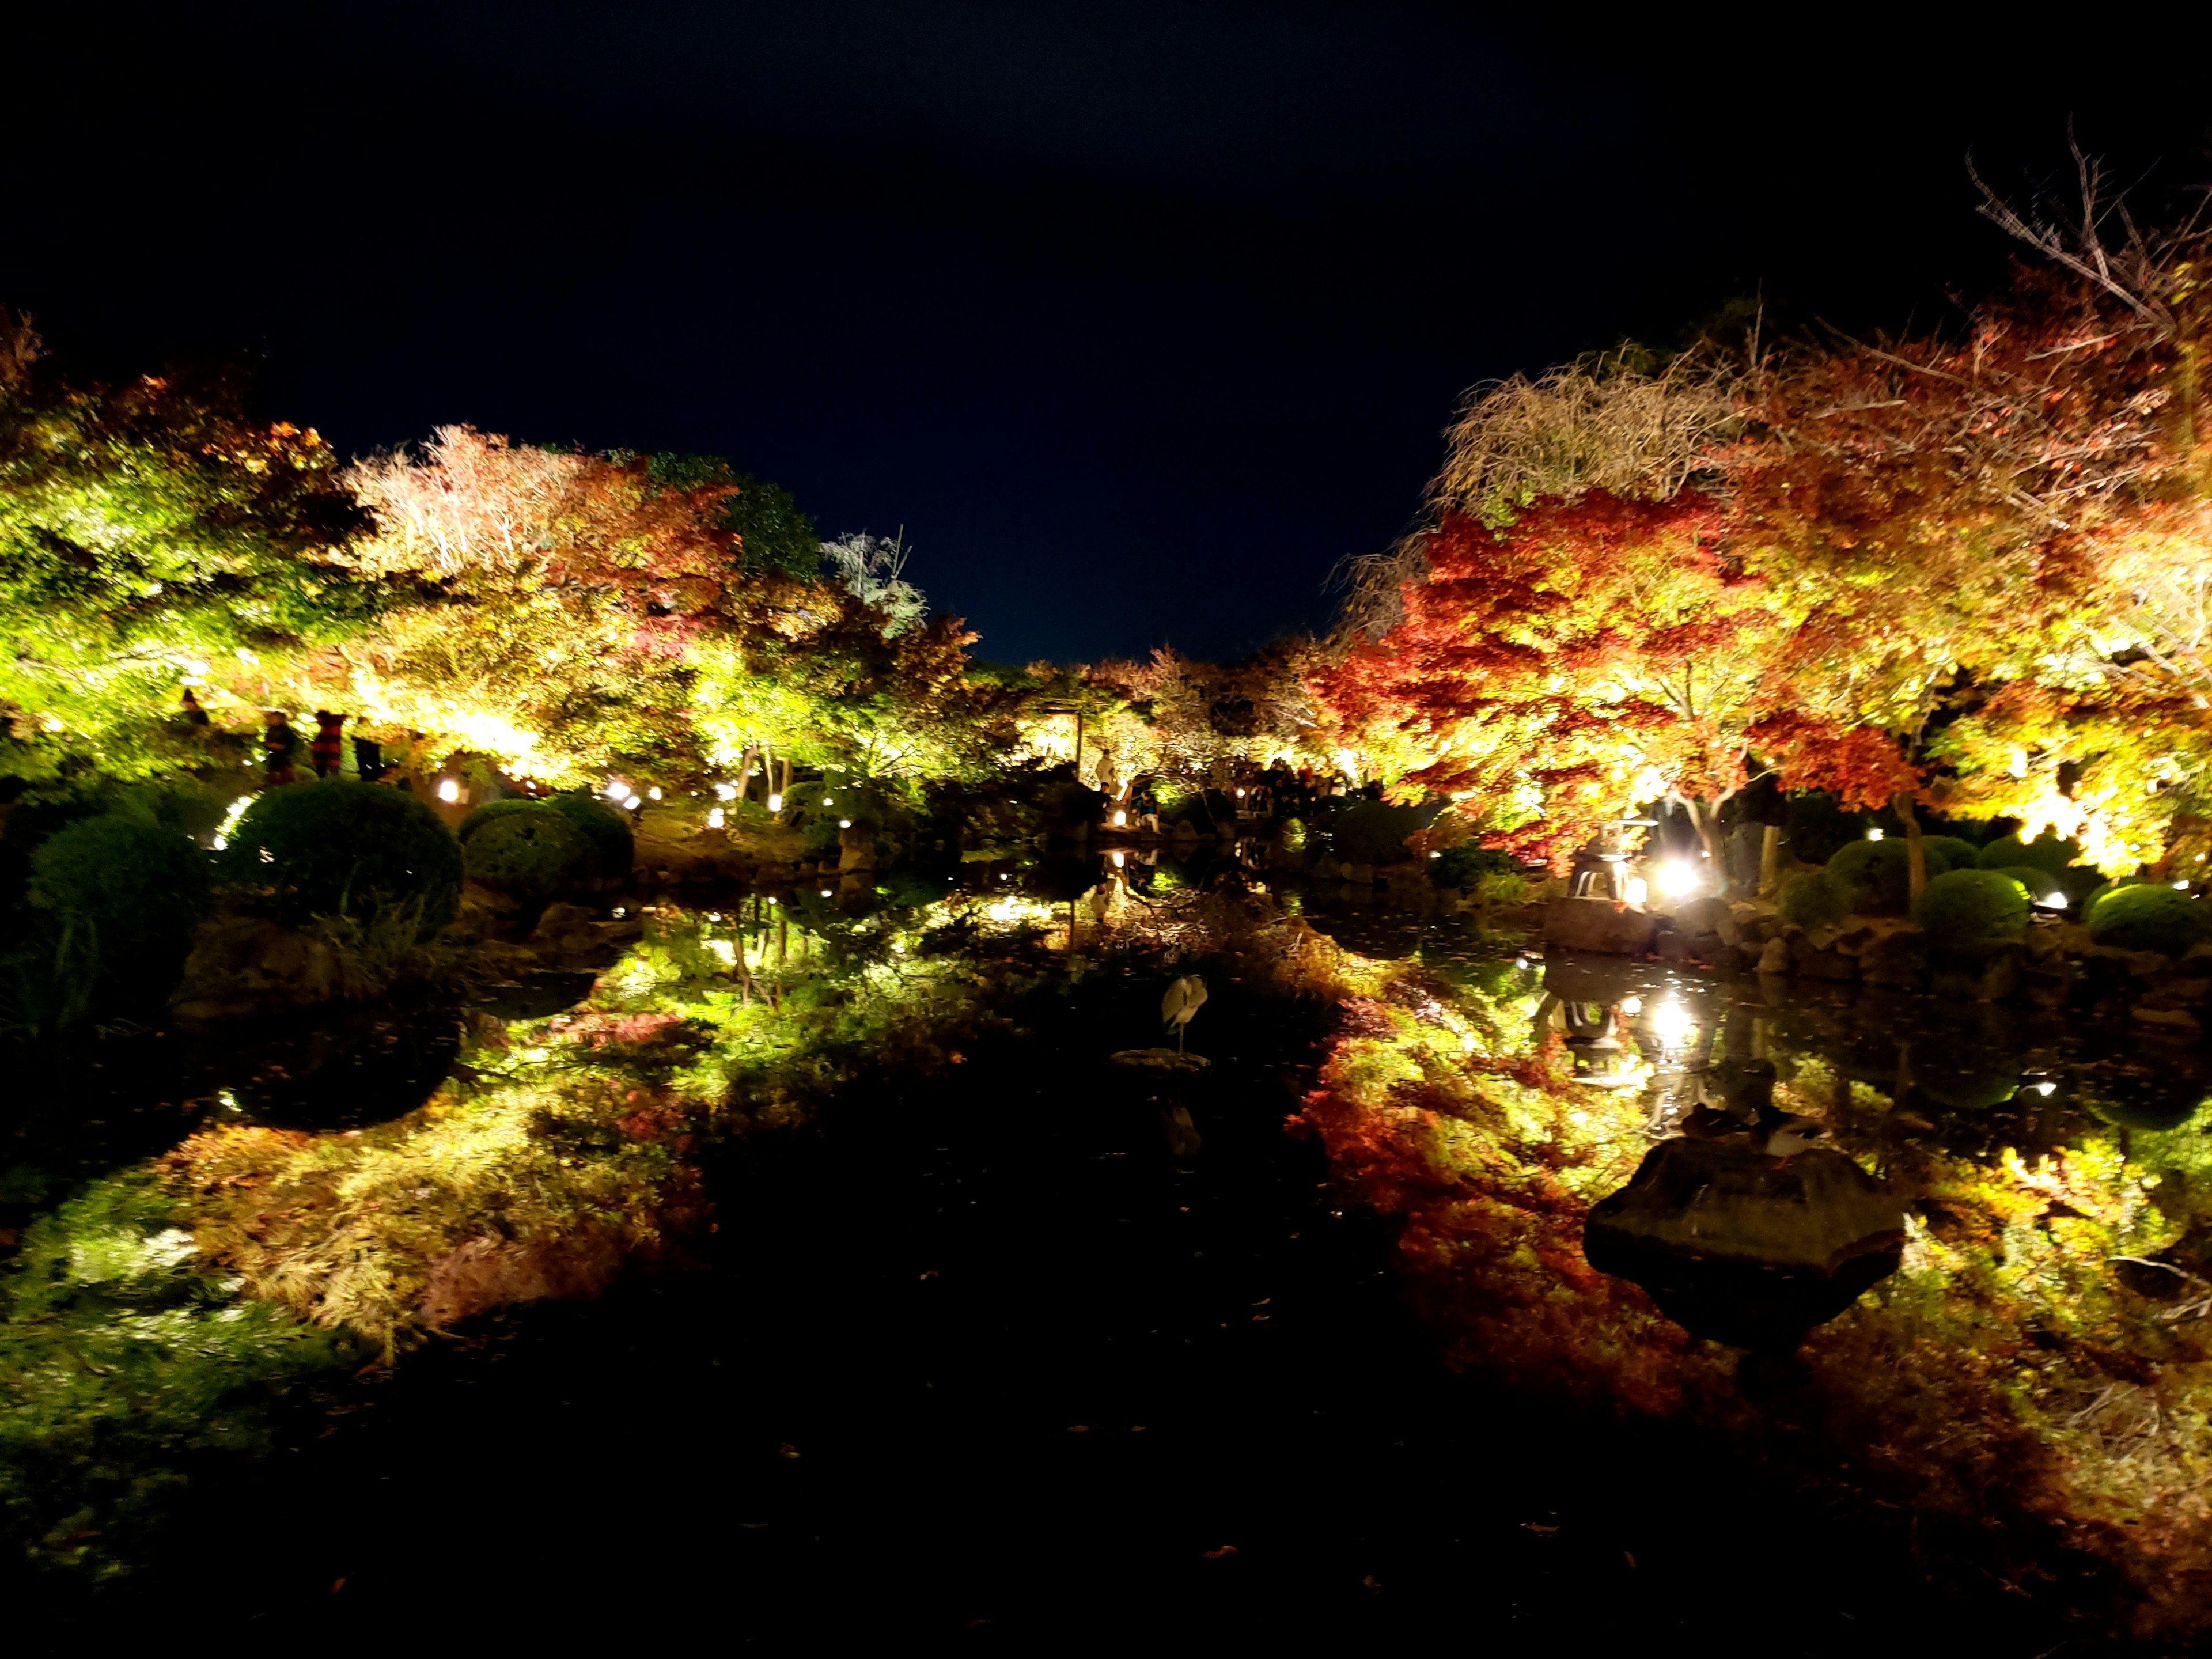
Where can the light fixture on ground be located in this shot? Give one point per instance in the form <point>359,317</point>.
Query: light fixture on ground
<point>449,789</point>
<point>1676,879</point>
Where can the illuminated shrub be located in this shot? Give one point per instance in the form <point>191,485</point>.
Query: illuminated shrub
<point>2090,900</point>
<point>1964,911</point>
<point>1874,877</point>
<point>607,830</point>
<point>534,855</point>
<point>2041,885</point>
<point>490,812</point>
<point>339,847</point>
<point>2150,917</point>
<point>1949,853</point>
<point>2045,851</point>
<point>1814,900</point>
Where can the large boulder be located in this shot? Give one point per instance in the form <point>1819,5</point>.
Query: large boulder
<point>1598,925</point>
<point>243,966</point>
<point>1742,1248</point>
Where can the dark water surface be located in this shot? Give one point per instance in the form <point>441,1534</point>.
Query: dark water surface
<point>976,1359</point>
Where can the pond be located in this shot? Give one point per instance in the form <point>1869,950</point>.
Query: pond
<point>953,1306</point>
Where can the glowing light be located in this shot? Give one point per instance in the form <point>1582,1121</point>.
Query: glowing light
<point>1121,819</point>
<point>724,948</point>
<point>1672,1025</point>
<point>1639,891</point>
<point>713,818</point>
<point>2046,1088</point>
<point>1874,835</point>
<point>50,724</point>
<point>725,792</point>
<point>1117,860</point>
<point>825,892</point>
<point>826,801</point>
<point>1002,875</point>
<point>654,794</point>
<point>449,789</point>
<point>1676,879</point>
<point>2053,900</point>
<point>775,803</point>
<point>898,947</point>
<point>633,803</point>
<point>1436,855</point>
<point>2181,886</point>
<point>1240,794</point>
<point>1632,1005</point>
<point>844,823</point>
<point>615,791</point>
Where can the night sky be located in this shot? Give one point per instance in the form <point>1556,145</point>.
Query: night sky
<point>1137,317</point>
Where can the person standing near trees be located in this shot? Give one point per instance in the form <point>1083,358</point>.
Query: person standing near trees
<point>279,748</point>
<point>327,751</point>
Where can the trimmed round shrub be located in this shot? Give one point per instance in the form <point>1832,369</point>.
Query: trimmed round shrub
<point>2045,851</point>
<point>607,830</point>
<point>1954,853</point>
<point>1874,877</point>
<point>136,888</point>
<point>1964,911</point>
<point>490,812</point>
<point>2150,917</point>
<point>1813,900</point>
<point>338,846</point>
<point>1467,864</point>
<point>533,854</point>
<point>2090,900</point>
<point>2041,885</point>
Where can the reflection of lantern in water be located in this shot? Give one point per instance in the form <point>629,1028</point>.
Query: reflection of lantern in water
<point>1121,819</point>
<point>1672,1025</point>
<point>1600,1059</point>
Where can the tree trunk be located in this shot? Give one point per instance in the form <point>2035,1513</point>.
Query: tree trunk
<point>1916,853</point>
<point>1708,826</point>
<point>744,770</point>
<point>1769,861</point>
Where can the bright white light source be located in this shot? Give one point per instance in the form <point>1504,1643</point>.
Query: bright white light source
<point>2046,1088</point>
<point>1002,875</point>
<point>826,801</point>
<point>449,789</point>
<point>774,899</point>
<point>1118,860</point>
<point>1672,1025</point>
<point>1632,1005</point>
<point>222,842</point>
<point>2053,900</point>
<point>633,803</point>
<point>1121,819</point>
<point>654,794</point>
<point>615,791</point>
<point>51,723</point>
<point>1874,835</point>
<point>1639,891</point>
<point>725,792</point>
<point>775,803</point>
<point>713,818</point>
<point>825,892</point>
<point>2182,885</point>
<point>898,947</point>
<point>1436,855</point>
<point>724,948</point>
<point>1240,794</point>
<point>844,823</point>
<point>1676,879</point>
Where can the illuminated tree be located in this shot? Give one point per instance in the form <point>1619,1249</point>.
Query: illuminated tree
<point>152,537</point>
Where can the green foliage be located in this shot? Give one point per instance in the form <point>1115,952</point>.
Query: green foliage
<point>2150,917</point>
<point>774,533</point>
<point>126,1367</point>
<point>2090,899</point>
<point>490,812</point>
<point>532,854</point>
<point>1470,867</point>
<point>1949,853</point>
<point>2040,884</point>
<point>1875,877</point>
<point>1962,911</point>
<point>608,831</point>
<point>1815,826</point>
<point>2046,852</point>
<point>340,848</point>
<point>1814,900</point>
<point>122,892</point>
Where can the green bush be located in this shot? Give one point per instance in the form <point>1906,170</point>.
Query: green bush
<point>1949,853</point>
<point>2041,885</point>
<point>491,812</point>
<point>1813,900</point>
<point>534,855</point>
<point>1962,911</point>
<point>2045,851</point>
<point>1875,877</point>
<point>1468,864</point>
<point>2090,900</point>
<point>125,892</point>
<point>608,831</point>
<point>2150,917</point>
<point>337,847</point>
<point>1816,827</point>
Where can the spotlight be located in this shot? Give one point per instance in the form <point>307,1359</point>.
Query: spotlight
<point>715,818</point>
<point>775,803</point>
<point>449,790</point>
<point>1676,879</point>
<point>1639,891</point>
<point>1874,835</point>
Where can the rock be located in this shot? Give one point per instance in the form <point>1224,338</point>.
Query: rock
<point>1813,961</point>
<point>2200,951</point>
<point>1672,947</point>
<point>2179,993</point>
<point>1854,940</point>
<point>856,849</point>
<point>1710,915</point>
<point>1745,1249</point>
<point>2178,1021</point>
<point>1896,960</point>
<point>1598,925</point>
<point>241,966</point>
<point>1775,957</point>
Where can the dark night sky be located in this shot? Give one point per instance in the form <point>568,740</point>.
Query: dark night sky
<point>1137,316</point>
